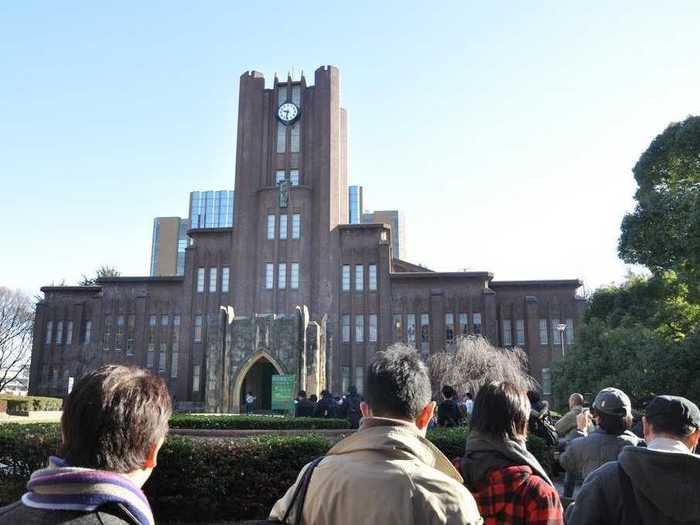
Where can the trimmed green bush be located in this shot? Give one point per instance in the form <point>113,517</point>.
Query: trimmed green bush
<point>206,480</point>
<point>205,421</point>
<point>24,404</point>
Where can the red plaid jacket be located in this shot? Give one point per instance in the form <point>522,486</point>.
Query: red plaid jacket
<point>516,496</point>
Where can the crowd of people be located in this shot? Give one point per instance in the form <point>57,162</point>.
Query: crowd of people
<point>116,419</point>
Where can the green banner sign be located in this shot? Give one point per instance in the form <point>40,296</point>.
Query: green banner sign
<point>283,390</point>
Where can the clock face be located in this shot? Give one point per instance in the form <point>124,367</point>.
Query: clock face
<point>288,112</point>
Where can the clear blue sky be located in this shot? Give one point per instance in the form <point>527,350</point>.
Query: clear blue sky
<point>506,133</point>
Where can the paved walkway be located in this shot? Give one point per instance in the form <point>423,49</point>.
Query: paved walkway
<point>33,417</point>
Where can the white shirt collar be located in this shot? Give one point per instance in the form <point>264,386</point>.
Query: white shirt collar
<point>665,444</point>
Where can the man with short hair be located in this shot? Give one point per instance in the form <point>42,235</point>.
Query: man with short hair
<point>387,472</point>
<point>612,413</point>
<point>113,425</point>
<point>653,485</point>
<point>304,407</point>
<point>566,426</point>
<point>449,414</point>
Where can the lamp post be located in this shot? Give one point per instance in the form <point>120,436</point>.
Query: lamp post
<point>562,328</point>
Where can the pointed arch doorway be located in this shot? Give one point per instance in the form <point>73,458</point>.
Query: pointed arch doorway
<point>256,377</point>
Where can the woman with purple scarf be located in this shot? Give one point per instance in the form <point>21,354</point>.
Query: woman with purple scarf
<point>113,425</point>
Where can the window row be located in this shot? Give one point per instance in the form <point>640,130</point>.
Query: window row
<point>288,140</point>
<point>372,323</point>
<point>124,327</point>
<point>213,279</point>
<point>463,327</point>
<point>556,328</point>
<point>292,176</point>
<point>63,333</point>
<point>282,270</point>
<point>359,381</point>
<point>283,227</point>
<point>359,279</point>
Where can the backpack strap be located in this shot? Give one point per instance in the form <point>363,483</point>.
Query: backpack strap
<point>300,492</point>
<point>630,510</point>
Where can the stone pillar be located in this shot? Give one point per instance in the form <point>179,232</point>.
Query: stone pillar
<point>302,324</point>
<point>313,359</point>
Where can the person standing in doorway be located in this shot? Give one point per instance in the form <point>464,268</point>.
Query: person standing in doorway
<point>249,403</point>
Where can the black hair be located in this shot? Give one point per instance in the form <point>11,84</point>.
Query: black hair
<point>662,424</point>
<point>613,425</point>
<point>397,383</point>
<point>469,395</point>
<point>302,394</point>
<point>113,417</point>
<point>501,410</point>
<point>448,392</point>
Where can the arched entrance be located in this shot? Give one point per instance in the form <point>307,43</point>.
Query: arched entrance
<point>256,377</point>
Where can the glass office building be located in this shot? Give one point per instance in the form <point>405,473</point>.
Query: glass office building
<point>355,204</point>
<point>211,209</point>
<point>168,246</point>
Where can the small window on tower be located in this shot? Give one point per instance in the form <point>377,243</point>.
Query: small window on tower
<point>281,138</point>
<point>294,177</point>
<point>296,94</point>
<point>279,176</point>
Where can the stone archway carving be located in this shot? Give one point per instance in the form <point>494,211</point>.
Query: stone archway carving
<point>243,371</point>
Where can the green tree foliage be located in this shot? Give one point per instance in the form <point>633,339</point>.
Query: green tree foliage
<point>642,337</point>
<point>102,271</point>
<point>663,232</point>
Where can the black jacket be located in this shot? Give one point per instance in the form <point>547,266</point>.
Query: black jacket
<point>449,414</point>
<point>325,407</point>
<point>305,408</point>
<point>112,514</point>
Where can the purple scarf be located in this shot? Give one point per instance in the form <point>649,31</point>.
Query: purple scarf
<point>60,487</point>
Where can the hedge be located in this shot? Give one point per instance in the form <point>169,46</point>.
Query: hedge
<point>203,480</point>
<point>24,404</point>
<point>205,421</point>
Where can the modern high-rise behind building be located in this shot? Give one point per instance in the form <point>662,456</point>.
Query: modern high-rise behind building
<point>168,246</point>
<point>396,220</point>
<point>211,209</point>
<point>355,207</point>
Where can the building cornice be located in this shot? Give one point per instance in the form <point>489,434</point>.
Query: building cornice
<point>548,283</point>
<point>141,280</point>
<point>441,275</point>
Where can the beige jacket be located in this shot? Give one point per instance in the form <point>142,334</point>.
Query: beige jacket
<point>386,473</point>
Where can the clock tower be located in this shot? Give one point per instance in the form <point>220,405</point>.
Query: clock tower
<point>291,193</point>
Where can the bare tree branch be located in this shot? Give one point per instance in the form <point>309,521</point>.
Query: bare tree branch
<point>16,327</point>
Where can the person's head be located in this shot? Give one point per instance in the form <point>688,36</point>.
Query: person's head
<point>575,400</point>
<point>469,395</point>
<point>448,392</point>
<point>501,410</point>
<point>674,417</point>
<point>353,390</point>
<point>302,394</point>
<point>324,393</point>
<point>116,419</point>
<point>612,410</point>
<point>313,397</point>
<point>398,387</point>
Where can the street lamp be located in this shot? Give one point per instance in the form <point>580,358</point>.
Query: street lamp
<point>562,328</point>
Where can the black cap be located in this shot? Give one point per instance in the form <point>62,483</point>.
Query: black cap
<point>613,401</point>
<point>673,413</point>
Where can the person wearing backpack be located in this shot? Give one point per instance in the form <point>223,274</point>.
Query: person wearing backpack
<point>449,413</point>
<point>656,485</point>
<point>387,472</point>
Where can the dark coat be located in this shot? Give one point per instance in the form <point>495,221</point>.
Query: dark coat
<point>304,408</point>
<point>449,414</point>
<point>112,514</point>
<point>325,407</point>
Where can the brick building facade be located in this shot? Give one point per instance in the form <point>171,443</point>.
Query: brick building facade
<point>312,295</point>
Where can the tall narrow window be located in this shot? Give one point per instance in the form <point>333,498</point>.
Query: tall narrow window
<point>280,175</point>
<point>294,276</point>
<point>212,279</point>
<point>119,339</point>
<point>200,280</point>
<point>196,373</point>
<point>346,328</point>
<point>107,333</point>
<point>269,275</point>
<point>283,227</point>
<point>281,138</point>
<point>359,328</point>
<point>556,334</point>
<point>294,138</point>
<point>49,332</point>
<point>544,332</point>
<point>346,279</point>
<point>372,328</point>
<point>294,177</point>
<point>130,327</point>
<point>425,332</point>
<point>476,319</point>
<point>520,332</point>
<point>270,227</point>
<point>398,327</point>
<point>69,333</point>
<point>372,277</point>
<point>359,277</point>
<point>296,94</point>
<point>197,328</point>
<point>360,379</point>
<point>411,329</point>
<point>162,358</point>
<point>464,324</point>
<point>507,333</point>
<point>282,276</point>
<point>87,332</point>
<point>151,341</point>
<point>59,333</point>
<point>345,380</point>
<point>449,327</point>
<point>569,331</point>
<point>546,381</point>
<point>175,346</point>
<point>225,277</point>
<point>296,226</point>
